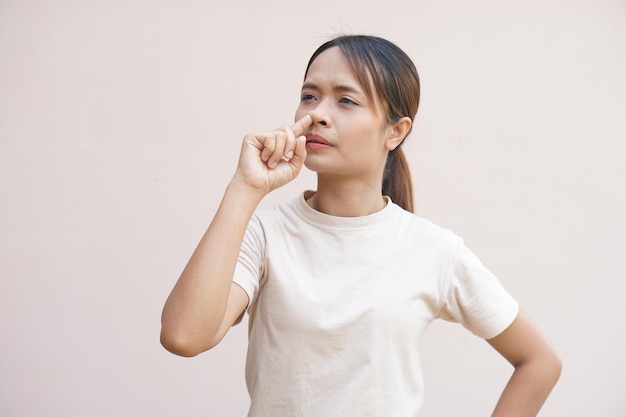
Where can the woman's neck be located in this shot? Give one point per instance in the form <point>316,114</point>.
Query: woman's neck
<point>347,198</point>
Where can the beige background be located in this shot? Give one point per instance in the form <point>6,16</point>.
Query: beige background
<point>120,124</point>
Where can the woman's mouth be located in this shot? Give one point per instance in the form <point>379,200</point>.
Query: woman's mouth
<point>314,141</point>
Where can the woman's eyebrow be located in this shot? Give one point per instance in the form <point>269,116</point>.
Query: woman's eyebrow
<point>342,88</point>
<point>309,86</point>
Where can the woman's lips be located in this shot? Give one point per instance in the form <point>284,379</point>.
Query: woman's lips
<point>314,141</point>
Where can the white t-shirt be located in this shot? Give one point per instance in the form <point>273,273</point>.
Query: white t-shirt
<point>338,306</point>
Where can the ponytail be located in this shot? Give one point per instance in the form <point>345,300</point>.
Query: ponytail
<point>397,183</point>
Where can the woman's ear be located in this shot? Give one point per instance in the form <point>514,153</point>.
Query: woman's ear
<point>398,132</point>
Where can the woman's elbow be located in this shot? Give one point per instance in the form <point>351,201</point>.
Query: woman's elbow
<point>547,365</point>
<point>184,345</point>
<point>555,365</point>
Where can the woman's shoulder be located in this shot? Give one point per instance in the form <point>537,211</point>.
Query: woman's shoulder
<point>415,226</point>
<point>276,216</point>
<point>423,222</point>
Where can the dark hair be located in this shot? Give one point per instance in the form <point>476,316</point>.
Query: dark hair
<point>387,73</point>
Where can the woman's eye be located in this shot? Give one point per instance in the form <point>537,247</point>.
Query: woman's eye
<point>346,100</point>
<point>307,97</point>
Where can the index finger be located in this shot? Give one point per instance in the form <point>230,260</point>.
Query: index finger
<point>301,125</point>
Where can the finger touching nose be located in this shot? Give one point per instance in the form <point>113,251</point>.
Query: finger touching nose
<point>302,124</point>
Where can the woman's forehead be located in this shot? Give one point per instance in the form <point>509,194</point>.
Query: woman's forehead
<point>332,67</point>
<point>331,64</point>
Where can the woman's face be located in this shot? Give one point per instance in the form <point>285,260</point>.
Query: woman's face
<point>349,135</point>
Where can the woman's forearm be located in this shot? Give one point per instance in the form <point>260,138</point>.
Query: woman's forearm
<point>196,306</point>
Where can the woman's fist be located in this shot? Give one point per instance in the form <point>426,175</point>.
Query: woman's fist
<point>270,160</point>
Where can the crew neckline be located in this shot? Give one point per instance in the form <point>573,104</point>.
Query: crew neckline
<point>338,222</point>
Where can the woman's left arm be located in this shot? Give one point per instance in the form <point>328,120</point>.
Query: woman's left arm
<point>537,368</point>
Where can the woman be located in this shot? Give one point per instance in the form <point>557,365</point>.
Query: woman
<point>341,282</point>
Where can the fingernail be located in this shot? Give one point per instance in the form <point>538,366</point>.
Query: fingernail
<point>289,155</point>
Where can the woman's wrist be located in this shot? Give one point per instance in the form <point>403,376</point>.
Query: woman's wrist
<point>245,192</point>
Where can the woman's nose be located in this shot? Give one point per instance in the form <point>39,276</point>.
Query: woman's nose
<point>319,115</point>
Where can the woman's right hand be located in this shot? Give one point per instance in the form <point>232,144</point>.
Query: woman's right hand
<point>270,160</point>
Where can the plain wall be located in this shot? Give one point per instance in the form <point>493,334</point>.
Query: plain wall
<point>120,125</point>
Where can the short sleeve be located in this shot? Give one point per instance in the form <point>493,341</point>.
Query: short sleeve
<point>250,263</point>
<point>474,297</point>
